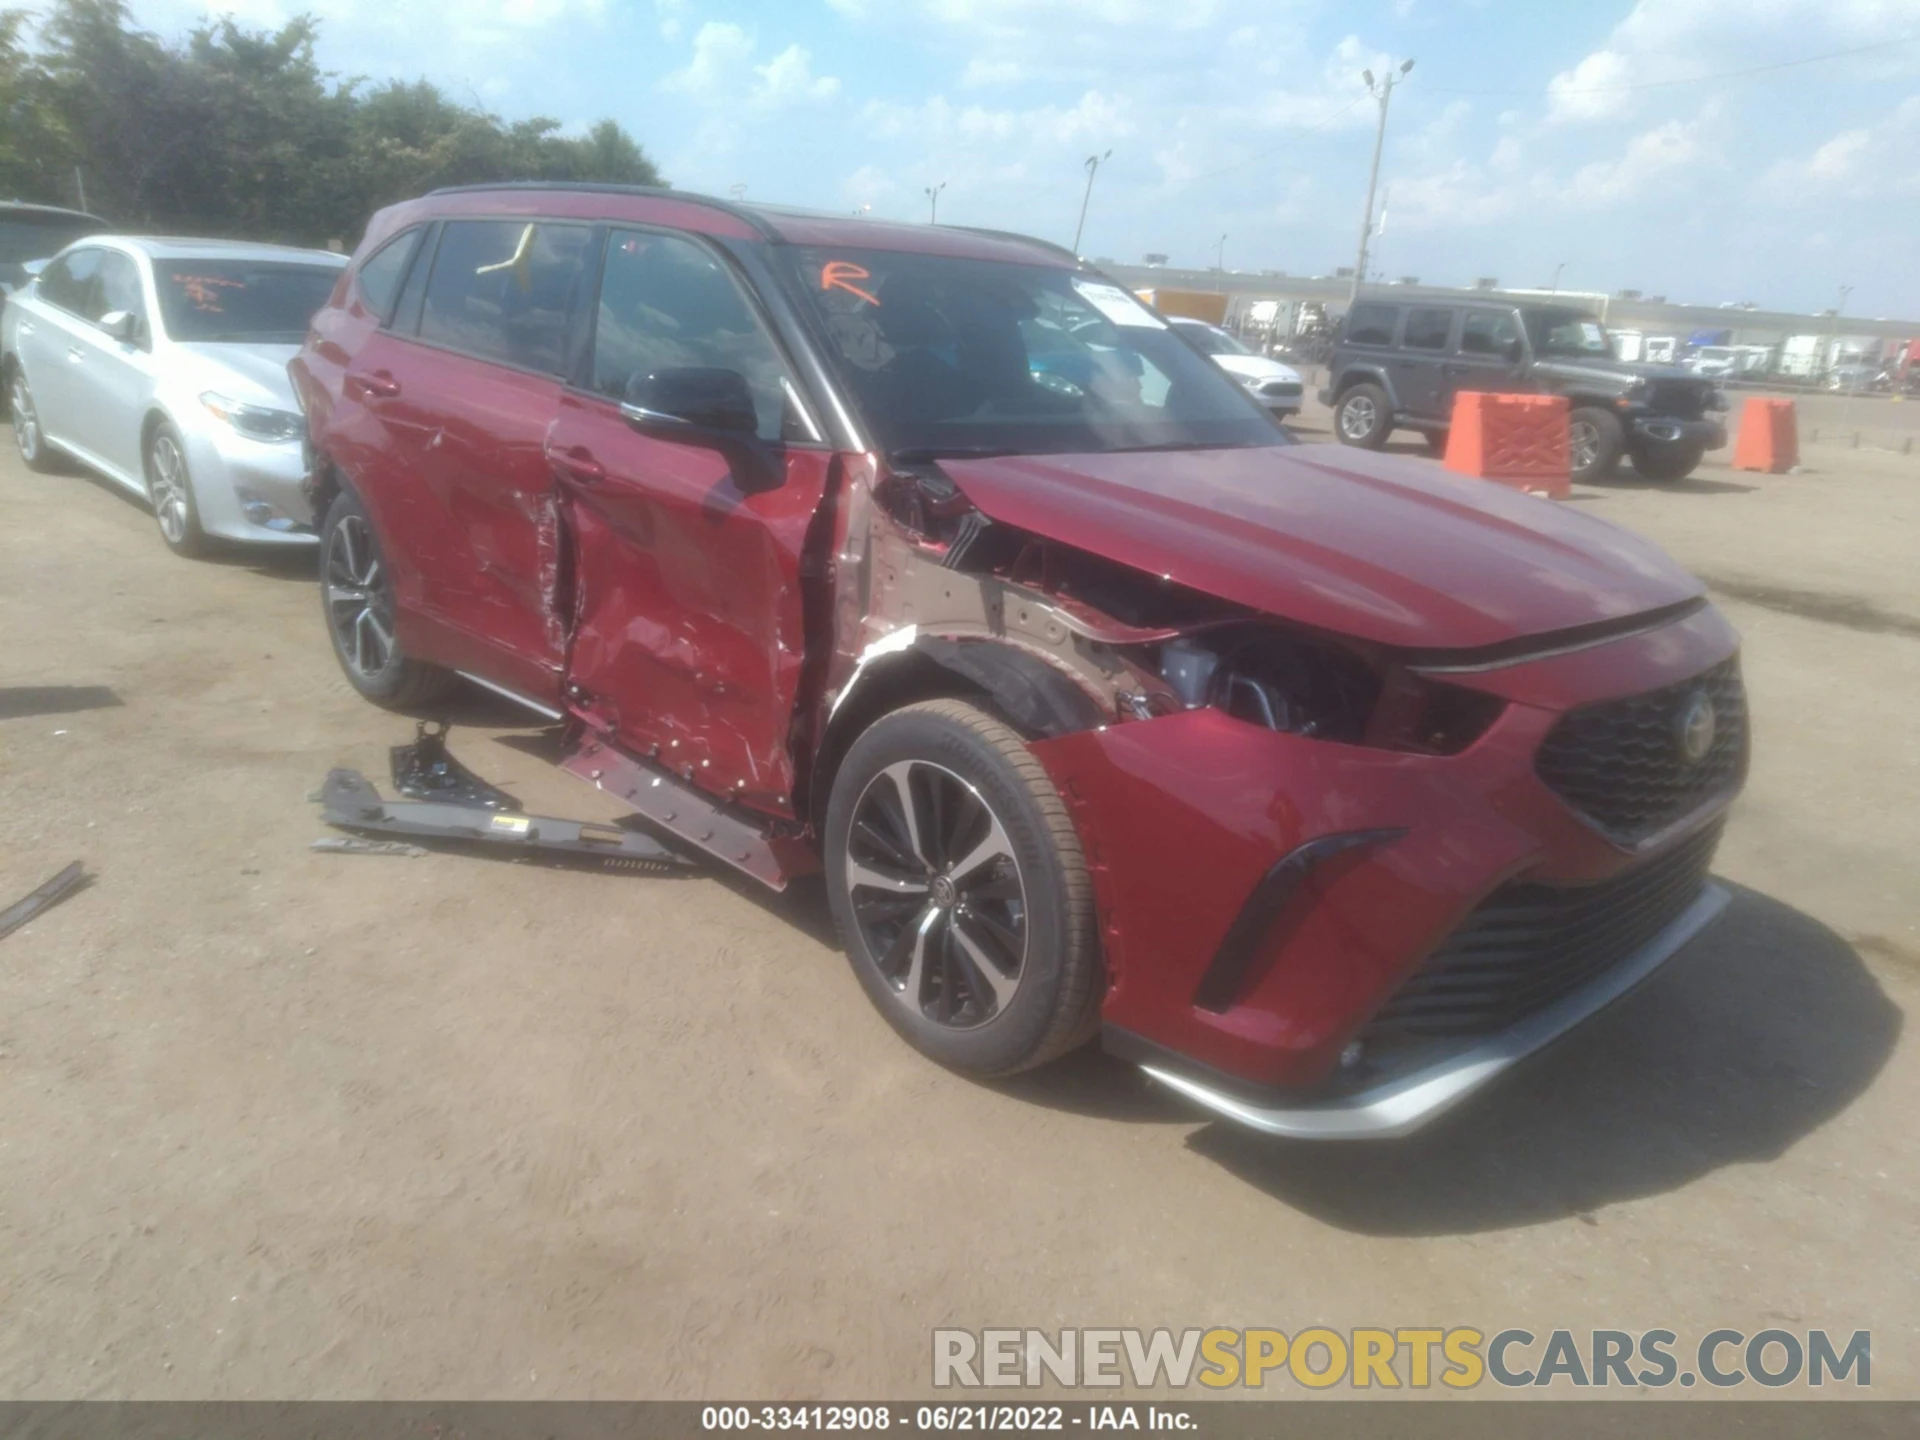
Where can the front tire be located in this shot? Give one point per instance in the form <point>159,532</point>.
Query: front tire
<point>356,596</point>
<point>961,893</point>
<point>1594,442</point>
<point>170,492</point>
<point>1363,417</point>
<point>28,438</point>
<point>1667,463</point>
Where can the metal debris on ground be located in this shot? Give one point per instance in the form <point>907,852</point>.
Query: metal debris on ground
<point>425,770</point>
<point>73,878</point>
<point>352,845</point>
<point>466,812</point>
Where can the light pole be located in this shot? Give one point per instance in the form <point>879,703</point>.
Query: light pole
<point>933,202</point>
<point>1381,90</point>
<point>1094,162</point>
<point>1556,276</point>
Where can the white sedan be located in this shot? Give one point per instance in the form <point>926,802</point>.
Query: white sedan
<point>1274,385</point>
<point>162,364</point>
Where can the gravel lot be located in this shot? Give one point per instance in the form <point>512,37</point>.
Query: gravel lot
<point>285,1124</point>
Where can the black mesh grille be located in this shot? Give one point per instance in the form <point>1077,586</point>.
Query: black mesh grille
<point>1621,763</point>
<point>1528,944</point>
<point>1281,388</point>
<point>1681,399</point>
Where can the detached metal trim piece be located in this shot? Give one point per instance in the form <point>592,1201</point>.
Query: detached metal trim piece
<point>350,803</point>
<point>1402,1105</point>
<point>73,878</point>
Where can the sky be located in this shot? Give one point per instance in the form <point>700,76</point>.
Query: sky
<point>1609,143</point>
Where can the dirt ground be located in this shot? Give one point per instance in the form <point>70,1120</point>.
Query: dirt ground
<point>277,1123</point>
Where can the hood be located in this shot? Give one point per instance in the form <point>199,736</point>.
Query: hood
<point>1617,373</point>
<point>1372,546</point>
<point>1256,367</point>
<point>255,374</point>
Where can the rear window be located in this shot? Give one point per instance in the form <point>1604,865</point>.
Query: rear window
<point>506,290</point>
<point>1371,324</point>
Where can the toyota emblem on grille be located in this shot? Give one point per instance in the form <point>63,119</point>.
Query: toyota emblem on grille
<point>1695,731</point>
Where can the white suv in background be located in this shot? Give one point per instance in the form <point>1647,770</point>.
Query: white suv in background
<point>1274,385</point>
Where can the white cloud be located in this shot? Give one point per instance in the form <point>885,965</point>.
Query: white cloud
<point>1881,159</point>
<point>1592,90</point>
<point>669,13</point>
<point>722,71</point>
<point>1651,156</point>
<point>981,73</point>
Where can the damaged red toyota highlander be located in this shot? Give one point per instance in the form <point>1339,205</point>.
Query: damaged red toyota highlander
<point>1322,784</point>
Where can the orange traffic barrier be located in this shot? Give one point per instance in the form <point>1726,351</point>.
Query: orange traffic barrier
<point>1769,438</point>
<point>1517,440</point>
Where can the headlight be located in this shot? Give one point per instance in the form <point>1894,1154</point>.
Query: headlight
<point>256,422</point>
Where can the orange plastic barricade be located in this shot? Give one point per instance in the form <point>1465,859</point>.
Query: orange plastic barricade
<point>1769,438</point>
<point>1517,440</point>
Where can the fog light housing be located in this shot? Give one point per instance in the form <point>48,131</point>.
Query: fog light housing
<point>264,513</point>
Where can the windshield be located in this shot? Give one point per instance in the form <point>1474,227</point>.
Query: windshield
<point>1211,340</point>
<point>1555,331</point>
<point>243,300</point>
<point>965,357</point>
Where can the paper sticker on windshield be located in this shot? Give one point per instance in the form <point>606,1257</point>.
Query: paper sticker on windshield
<point>1117,305</point>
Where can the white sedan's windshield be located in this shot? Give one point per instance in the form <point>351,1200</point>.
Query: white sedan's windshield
<point>947,356</point>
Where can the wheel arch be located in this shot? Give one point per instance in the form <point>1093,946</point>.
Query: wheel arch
<point>1034,696</point>
<point>1365,375</point>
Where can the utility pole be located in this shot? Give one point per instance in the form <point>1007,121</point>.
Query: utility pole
<point>1833,331</point>
<point>1381,90</point>
<point>933,202</point>
<point>1094,162</point>
<point>80,184</point>
<point>1556,276</point>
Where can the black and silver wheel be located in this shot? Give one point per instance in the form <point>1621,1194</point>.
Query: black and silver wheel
<point>28,437</point>
<point>1594,441</point>
<point>170,492</point>
<point>961,892</point>
<point>357,594</point>
<point>1362,417</point>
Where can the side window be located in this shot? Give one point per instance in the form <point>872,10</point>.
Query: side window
<point>1427,329</point>
<point>70,281</point>
<point>1371,324</point>
<point>382,272</point>
<point>120,286</point>
<point>1489,332</point>
<point>665,304</point>
<point>506,289</point>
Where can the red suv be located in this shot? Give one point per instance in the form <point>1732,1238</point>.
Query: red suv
<point>1322,784</point>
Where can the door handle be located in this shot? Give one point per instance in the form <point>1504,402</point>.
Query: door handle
<point>377,385</point>
<point>578,461</point>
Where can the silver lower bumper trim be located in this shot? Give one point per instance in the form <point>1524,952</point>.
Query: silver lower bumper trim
<point>1406,1102</point>
<point>514,695</point>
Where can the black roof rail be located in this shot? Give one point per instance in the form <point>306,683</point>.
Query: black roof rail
<point>597,187</point>
<point>1016,235</point>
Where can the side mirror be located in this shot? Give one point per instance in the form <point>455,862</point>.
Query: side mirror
<point>122,325</point>
<point>711,406</point>
<point>702,397</point>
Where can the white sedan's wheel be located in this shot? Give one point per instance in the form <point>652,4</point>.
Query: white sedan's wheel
<point>28,437</point>
<point>170,490</point>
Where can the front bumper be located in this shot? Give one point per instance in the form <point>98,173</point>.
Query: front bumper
<point>1401,1104</point>
<point>250,490</point>
<point>1665,430</point>
<point>1190,822</point>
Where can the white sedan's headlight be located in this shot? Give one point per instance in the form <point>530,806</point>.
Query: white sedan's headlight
<point>256,422</point>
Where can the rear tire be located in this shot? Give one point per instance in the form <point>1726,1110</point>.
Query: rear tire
<point>1363,417</point>
<point>28,438</point>
<point>1667,463</point>
<point>356,598</point>
<point>988,967</point>
<point>1594,441</point>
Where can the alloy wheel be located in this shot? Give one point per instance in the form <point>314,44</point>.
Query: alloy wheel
<point>167,489</point>
<point>26,421</point>
<point>937,894</point>
<point>1583,444</point>
<point>359,607</point>
<point>1357,417</point>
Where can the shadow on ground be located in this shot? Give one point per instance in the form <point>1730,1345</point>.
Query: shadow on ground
<point>1763,1030</point>
<point>19,701</point>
